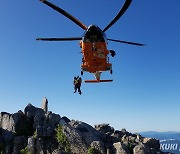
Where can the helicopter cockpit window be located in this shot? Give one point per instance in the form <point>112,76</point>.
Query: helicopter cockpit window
<point>93,38</point>
<point>93,35</point>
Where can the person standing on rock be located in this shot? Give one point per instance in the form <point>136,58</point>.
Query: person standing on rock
<point>77,84</point>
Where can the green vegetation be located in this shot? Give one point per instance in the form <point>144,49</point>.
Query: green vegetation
<point>24,151</point>
<point>92,150</point>
<point>35,134</point>
<point>62,139</point>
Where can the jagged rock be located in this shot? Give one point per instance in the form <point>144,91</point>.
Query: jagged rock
<point>152,143</point>
<point>54,119</point>
<point>64,120</point>
<point>7,136</point>
<point>44,123</point>
<point>117,134</point>
<point>123,130</point>
<point>142,149</point>
<point>6,121</point>
<point>21,124</point>
<point>139,138</point>
<point>132,139</point>
<point>49,131</point>
<point>31,145</point>
<point>40,146</point>
<point>98,146</point>
<point>39,131</point>
<point>20,142</point>
<point>31,111</point>
<point>104,128</point>
<point>120,148</point>
<point>14,123</point>
<point>125,139</point>
<point>77,144</point>
<point>80,135</point>
<point>51,145</point>
<point>44,105</point>
<point>38,118</point>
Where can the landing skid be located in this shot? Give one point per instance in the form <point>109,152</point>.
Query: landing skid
<point>97,81</point>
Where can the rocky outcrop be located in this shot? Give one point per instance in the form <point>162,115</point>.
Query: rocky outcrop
<point>121,148</point>
<point>44,105</point>
<point>35,131</point>
<point>19,143</point>
<point>82,136</point>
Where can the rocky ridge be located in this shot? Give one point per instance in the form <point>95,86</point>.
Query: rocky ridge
<point>34,131</point>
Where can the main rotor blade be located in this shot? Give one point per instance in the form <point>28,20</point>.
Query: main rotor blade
<point>121,12</point>
<point>59,39</point>
<point>132,43</point>
<point>66,14</point>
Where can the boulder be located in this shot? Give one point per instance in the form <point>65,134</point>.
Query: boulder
<point>80,135</point>
<point>53,119</point>
<point>120,148</point>
<point>86,131</point>
<point>125,139</point>
<point>98,146</point>
<point>64,120</point>
<point>152,143</point>
<point>30,111</point>
<point>125,132</point>
<point>141,149</point>
<point>104,128</point>
<point>139,138</point>
<point>6,121</point>
<point>117,134</point>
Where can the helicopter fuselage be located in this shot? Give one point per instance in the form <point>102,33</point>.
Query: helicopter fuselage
<point>94,51</point>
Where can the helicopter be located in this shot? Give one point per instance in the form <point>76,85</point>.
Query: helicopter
<point>93,43</point>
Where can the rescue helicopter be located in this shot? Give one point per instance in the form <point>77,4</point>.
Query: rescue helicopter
<point>93,43</point>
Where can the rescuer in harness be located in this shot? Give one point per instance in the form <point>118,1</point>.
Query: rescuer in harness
<point>77,84</point>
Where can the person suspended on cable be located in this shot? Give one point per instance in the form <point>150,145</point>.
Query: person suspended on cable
<point>77,84</point>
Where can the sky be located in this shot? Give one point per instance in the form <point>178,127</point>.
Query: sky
<point>145,93</point>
